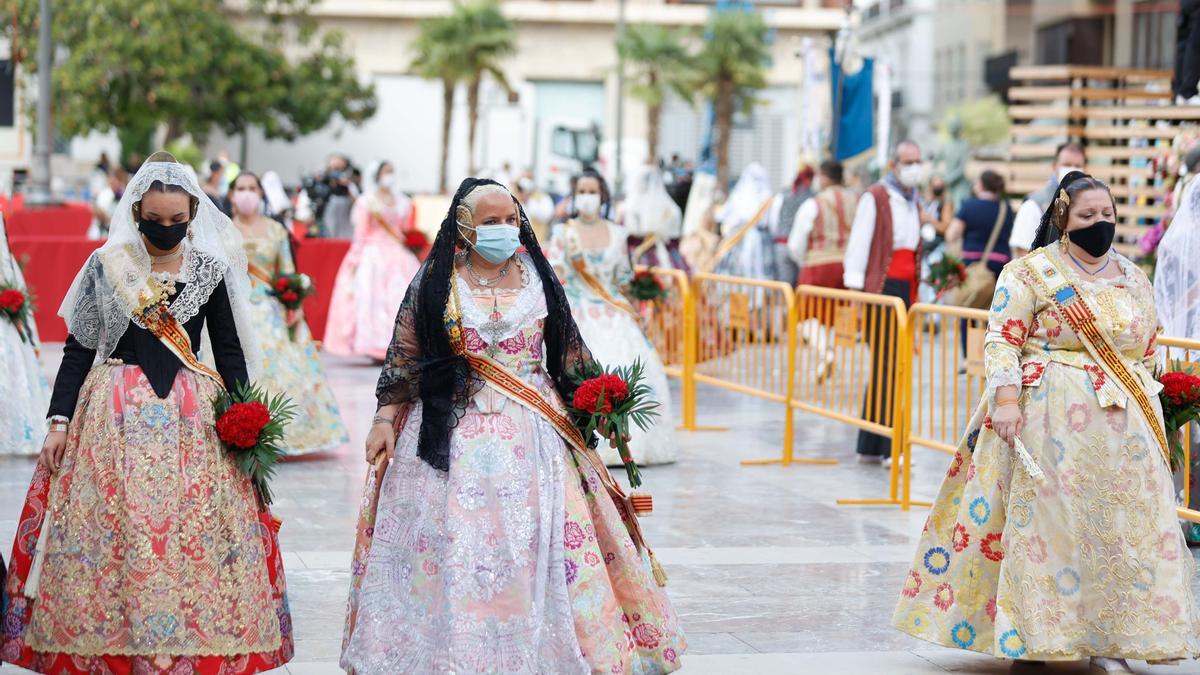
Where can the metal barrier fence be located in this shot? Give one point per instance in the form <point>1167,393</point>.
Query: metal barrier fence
<point>670,325</point>
<point>948,349</point>
<point>1187,352</point>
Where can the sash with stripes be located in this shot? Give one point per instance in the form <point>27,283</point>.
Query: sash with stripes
<point>163,325</point>
<point>260,274</point>
<point>579,264</point>
<point>521,392</point>
<point>1073,306</point>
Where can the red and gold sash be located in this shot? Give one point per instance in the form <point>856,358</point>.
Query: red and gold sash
<point>260,274</point>
<point>579,264</point>
<point>519,391</point>
<point>163,325</point>
<point>1073,306</point>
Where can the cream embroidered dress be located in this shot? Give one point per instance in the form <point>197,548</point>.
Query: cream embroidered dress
<point>613,335</point>
<point>1089,561</point>
<point>291,366</point>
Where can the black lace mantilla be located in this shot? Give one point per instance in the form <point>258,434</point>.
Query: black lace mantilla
<point>420,363</point>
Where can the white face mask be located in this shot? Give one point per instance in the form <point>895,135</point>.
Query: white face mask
<point>1062,171</point>
<point>910,175</point>
<point>387,181</point>
<point>587,205</point>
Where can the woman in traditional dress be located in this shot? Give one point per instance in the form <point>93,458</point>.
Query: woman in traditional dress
<point>493,543</point>
<point>375,273</point>
<point>1054,536</point>
<point>591,257</point>
<point>23,386</point>
<point>290,360</point>
<point>142,548</point>
<point>654,222</point>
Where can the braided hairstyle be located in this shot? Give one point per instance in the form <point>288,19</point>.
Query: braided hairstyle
<point>446,382</point>
<point>1054,218</point>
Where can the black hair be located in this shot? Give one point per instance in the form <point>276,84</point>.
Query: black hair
<point>992,182</point>
<point>379,170</point>
<point>257,182</point>
<point>1073,147</point>
<point>833,170</point>
<point>1054,218</point>
<point>605,196</point>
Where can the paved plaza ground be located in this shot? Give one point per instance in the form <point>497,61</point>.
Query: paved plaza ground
<point>768,573</point>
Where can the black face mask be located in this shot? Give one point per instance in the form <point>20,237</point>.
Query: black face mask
<point>938,191</point>
<point>1096,238</point>
<point>163,237</point>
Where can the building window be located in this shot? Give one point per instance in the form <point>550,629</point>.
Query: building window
<point>1153,34</point>
<point>8,103</point>
<point>1078,42</point>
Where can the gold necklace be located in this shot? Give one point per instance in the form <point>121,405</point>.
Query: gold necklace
<point>170,257</point>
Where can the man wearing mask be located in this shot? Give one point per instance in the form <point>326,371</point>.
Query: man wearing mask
<point>881,257</point>
<point>1068,157</point>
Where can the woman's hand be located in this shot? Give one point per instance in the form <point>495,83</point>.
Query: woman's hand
<point>611,435</point>
<point>381,439</point>
<point>1007,422</point>
<point>293,317</point>
<point>52,450</point>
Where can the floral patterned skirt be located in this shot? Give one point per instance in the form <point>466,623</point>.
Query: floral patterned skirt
<point>146,552</point>
<point>515,561</point>
<point>1089,561</point>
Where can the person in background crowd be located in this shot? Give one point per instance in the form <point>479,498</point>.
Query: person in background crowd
<point>99,177</point>
<point>1055,536</point>
<point>278,206</point>
<point>1187,53</point>
<point>1068,157</point>
<point>781,219</point>
<point>290,360</point>
<point>590,255</point>
<point>333,195</point>
<point>817,244</point>
<point>881,257</point>
<point>105,203</point>
<point>375,274</point>
<point>939,206</point>
<point>538,205</point>
<point>214,185</point>
<point>654,221</point>
<point>973,226</point>
<point>23,387</point>
<point>747,245</point>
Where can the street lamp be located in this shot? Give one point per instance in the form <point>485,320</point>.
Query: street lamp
<point>40,194</point>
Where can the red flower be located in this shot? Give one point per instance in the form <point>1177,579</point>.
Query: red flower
<point>241,425</point>
<point>12,300</point>
<point>1031,372</point>
<point>647,636</point>
<point>992,550</point>
<point>415,240</point>
<point>1151,347</point>
<point>598,394</point>
<point>282,284</point>
<point>1097,376</point>
<point>1181,389</point>
<point>961,538</point>
<point>289,297</point>
<point>1014,332</point>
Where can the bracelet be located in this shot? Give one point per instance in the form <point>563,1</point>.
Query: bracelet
<point>380,419</point>
<point>1007,401</point>
<point>58,426</point>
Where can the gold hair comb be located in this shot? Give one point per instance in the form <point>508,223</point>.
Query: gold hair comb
<point>1064,197</point>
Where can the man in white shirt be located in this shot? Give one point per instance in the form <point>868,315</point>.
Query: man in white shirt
<point>881,257</point>
<point>1068,157</point>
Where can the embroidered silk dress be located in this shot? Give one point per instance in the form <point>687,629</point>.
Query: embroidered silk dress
<point>1089,561</point>
<point>371,280</point>
<point>23,386</point>
<point>514,561</point>
<point>291,366</point>
<point>147,551</point>
<point>613,334</point>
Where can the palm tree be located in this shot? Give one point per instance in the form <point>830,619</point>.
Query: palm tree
<point>731,67</point>
<point>436,57</point>
<point>660,63</point>
<point>486,38</point>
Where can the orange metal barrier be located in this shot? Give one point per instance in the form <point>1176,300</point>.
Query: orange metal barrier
<point>746,342</point>
<point>1188,352</point>
<point>670,325</point>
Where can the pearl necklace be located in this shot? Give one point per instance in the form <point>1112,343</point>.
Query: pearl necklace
<point>487,283</point>
<point>170,257</point>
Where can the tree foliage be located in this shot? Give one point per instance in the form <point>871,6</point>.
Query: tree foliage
<point>191,65</point>
<point>730,69</point>
<point>985,121</point>
<point>659,63</point>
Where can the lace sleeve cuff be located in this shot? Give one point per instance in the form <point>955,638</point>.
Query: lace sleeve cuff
<point>1004,377</point>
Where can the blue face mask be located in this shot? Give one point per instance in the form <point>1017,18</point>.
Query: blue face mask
<point>497,243</point>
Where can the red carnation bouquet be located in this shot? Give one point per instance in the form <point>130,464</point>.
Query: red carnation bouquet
<point>292,290</point>
<point>1180,400</point>
<point>250,424</point>
<point>646,287</point>
<point>610,401</point>
<point>416,241</point>
<point>17,307</point>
